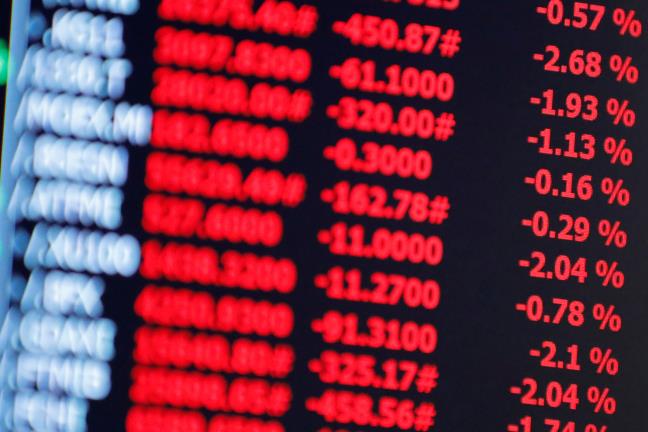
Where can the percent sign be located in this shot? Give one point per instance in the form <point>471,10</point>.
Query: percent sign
<point>613,234</point>
<point>624,69</point>
<point>610,274</point>
<point>621,112</point>
<point>616,193</point>
<point>601,400</point>
<point>604,361</point>
<point>627,22</point>
<point>618,151</point>
<point>595,428</point>
<point>607,317</point>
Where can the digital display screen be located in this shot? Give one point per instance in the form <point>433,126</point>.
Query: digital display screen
<point>327,216</point>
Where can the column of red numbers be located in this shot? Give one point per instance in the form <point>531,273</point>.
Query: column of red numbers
<point>569,157</point>
<point>212,353</point>
<point>378,369</point>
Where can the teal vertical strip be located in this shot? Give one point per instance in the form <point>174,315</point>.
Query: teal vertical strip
<point>4,62</point>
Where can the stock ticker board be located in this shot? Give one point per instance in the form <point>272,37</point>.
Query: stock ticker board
<point>327,216</point>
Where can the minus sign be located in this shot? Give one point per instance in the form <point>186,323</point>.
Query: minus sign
<point>529,180</point>
<point>516,390</point>
<point>532,140</point>
<point>541,10</point>
<point>527,222</point>
<point>538,57</point>
<point>520,307</point>
<point>524,263</point>
<point>535,101</point>
<point>534,353</point>
<point>338,26</point>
